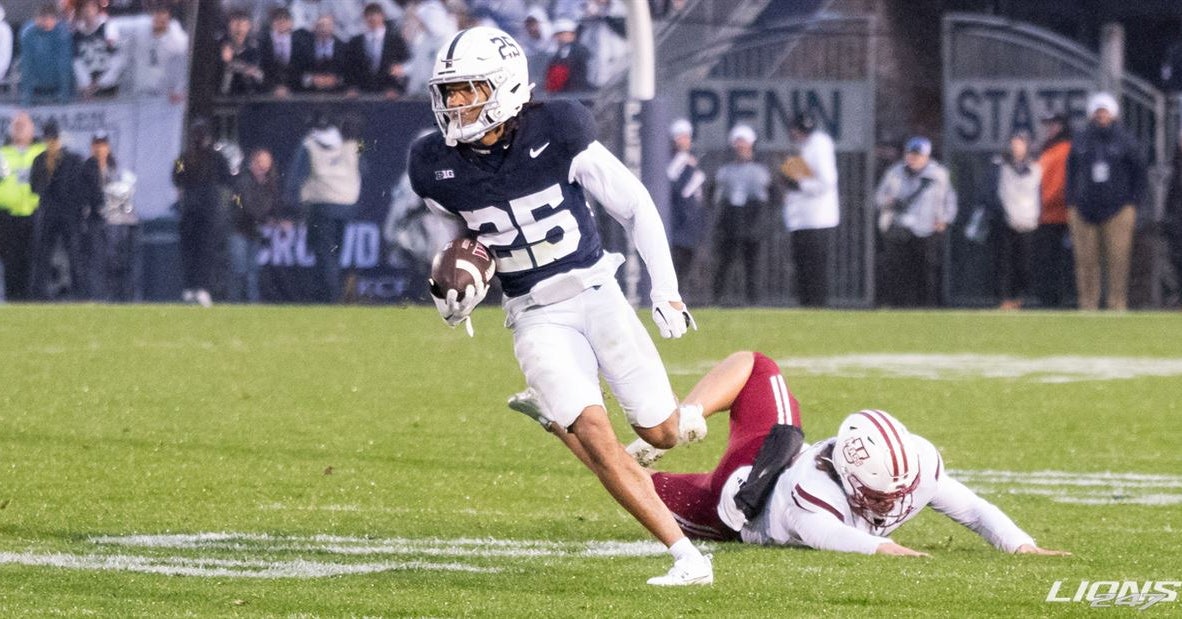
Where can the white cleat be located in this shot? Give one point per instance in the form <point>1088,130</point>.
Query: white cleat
<point>202,298</point>
<point>687,572</point>
<point>692,425</point>
<point>526,403</point>
<point>644,454</point>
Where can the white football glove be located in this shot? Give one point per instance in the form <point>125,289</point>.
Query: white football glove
<point>454,310</point>
<point>673,321</point>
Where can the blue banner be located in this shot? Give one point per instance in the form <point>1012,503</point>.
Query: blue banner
<point>375,269</point>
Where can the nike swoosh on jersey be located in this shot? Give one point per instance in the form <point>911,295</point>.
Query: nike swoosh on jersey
<point>534,152</point>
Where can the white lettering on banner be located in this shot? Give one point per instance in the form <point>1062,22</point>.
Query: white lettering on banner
<point>982,114</point>
<point>1110,593</point>
<point>844,109</point>
<point>360,248</point>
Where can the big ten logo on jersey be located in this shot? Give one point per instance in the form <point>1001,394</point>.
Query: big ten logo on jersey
<point>1112,593</point>
<point>855,452</point>
<point>287,246</point>
<point>535,230</point>
<point>507,47</point>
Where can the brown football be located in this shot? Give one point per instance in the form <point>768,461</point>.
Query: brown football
<point>462,262</point>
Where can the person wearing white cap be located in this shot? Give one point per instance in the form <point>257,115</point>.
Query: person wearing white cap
<point>741,191</point>
<point>567,69</point>
<point>916,202</point>
<point>1106,181</point>
<point>685,201</point>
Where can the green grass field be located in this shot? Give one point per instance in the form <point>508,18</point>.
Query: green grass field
<point>360,462</point>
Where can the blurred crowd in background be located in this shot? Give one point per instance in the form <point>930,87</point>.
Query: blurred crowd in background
<point>1059,208</point>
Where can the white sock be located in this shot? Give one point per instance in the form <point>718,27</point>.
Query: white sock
<point>684,549</point>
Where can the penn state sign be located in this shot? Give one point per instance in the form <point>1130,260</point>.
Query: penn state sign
<point>981,114</point>
<point>844,109</point>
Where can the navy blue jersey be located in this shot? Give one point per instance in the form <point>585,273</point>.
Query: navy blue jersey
<point>519,202</point>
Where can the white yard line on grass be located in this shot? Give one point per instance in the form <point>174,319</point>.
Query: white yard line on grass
<point>233,568</point>
<point>1097,488</point>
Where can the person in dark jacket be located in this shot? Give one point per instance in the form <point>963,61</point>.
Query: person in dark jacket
<point>255,202</point>
<point>686,210</point>
<point>569,66</point>
<point>239,67</point>
<point>1106,181</point>
<point>378,56</point>
<point>283,52</point>
<point>56,177</point>
<point>110,222</point>
<point>1172,222</point>
<point>202,176</point>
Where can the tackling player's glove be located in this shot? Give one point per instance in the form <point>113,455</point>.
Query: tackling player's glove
<point>673,321</point>
<point>455,310</point>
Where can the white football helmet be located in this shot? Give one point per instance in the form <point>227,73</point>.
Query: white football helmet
<point>878,465</point>
<point>480,56</point>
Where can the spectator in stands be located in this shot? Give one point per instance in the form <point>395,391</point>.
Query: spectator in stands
<point>348,15</point>
<point>378,57</point>
<point>916,202</point>
<point>5,45</point>
<point>602,32</point>
<point>56,177</point>
<point>742,192</point>
<point>507,15</point>
<point>325,180</point>
<point>98,57</point>
<point>202,177</point>
<point>107,191</point>
<point>538,43</point>
<point>159,58</point>
<point>426,26</point>
<point>239,61</point>
<point>1172,220</point>
<point>325,71</point>
<point>1105,183</point>
<point>1052,246</point>
<point>47,54</point>
<point>282,51</point>
<point>1015,198</point>
<point>18,204</point>
<point>255,201</point>
<point>811,210</point>
<point>567,69</point>
<point>686,212</point>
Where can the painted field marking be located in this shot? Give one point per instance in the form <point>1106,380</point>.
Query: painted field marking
<point>225,568</point>
<point>243,548</point>
<point>1097,488</point>
<point>1057,369</point>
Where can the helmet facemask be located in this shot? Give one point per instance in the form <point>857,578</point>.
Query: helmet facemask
<point>481,109</point>
<point>882,509</point>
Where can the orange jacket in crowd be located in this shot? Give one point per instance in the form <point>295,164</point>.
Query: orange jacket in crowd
<point>1054,182</point>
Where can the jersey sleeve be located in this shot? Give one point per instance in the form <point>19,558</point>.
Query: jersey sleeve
<point>626,199</point>
<point>955,500</point>
<point>820,525</point>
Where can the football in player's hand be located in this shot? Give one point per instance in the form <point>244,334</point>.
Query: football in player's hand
<point>461,263</point>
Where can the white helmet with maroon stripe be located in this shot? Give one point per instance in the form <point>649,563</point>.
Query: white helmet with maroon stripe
<point>878,464</point>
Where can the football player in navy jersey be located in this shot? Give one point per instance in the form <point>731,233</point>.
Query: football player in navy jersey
<point>518,173</point>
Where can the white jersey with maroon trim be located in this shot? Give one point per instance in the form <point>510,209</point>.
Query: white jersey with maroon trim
<point>809,508</point>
